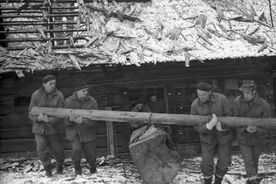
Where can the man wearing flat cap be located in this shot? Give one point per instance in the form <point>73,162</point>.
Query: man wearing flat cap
<point>215,139</point>
<point>79,131</point>
<point>251,138</point>
<point>48,130</point>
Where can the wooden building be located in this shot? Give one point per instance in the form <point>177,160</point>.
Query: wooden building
<point>125,65</point>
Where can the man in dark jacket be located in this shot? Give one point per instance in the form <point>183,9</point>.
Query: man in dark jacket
<point>79,131</point>
<point>156,105</point>
<point>140,106</point>
<point>214,138</point>
<point>251,138</point>
<point>48,130</point>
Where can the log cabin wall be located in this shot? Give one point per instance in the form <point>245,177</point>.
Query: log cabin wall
<point>116,86</point>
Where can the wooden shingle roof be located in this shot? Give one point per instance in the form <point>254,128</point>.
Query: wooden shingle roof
<point>158,31</point>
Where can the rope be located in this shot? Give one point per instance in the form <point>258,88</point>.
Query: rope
<point>150,116</point>
<point>140,134</point>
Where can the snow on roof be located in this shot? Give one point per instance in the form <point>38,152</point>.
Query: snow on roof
<point>168,31</point>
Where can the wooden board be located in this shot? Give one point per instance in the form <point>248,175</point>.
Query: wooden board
<point>28,144</point>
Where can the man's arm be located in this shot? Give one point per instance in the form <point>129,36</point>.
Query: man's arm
<point>60,104</point>
<point>32,104</point>
<point>226,107</point>
<point>201,128</point>
<point>89,122</point>
<point>266,114</point>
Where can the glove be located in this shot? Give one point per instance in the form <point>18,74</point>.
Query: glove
<point>76,119</point>
<point>211,124</point>
<point>219,128</point>
<point>251,129</point>
<point>43,118</point>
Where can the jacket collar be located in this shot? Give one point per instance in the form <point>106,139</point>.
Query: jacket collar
<point>256,99</point>
<point>212,99</point>
<point>42,91</point>
<point>76,98</point>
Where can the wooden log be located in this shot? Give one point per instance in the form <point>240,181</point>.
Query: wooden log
<point>144,117</point>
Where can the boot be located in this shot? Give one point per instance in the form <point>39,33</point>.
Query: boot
<point>218,180</point>
<point>59,169</point>
<point>78,170</point>
<point>208,181</point>
<point>93,170</point>
<point>48,169</point>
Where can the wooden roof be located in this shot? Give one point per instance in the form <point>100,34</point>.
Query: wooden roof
<point>158,31</point>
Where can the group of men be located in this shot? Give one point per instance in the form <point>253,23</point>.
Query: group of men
<point>49,131</point>
<point>215,137</point>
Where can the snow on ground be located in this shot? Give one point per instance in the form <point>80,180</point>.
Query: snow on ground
<point>122,171</point>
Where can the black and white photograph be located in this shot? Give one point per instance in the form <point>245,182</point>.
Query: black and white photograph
<point>138,91</point>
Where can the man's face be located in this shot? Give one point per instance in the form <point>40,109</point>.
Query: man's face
<point>50,86</point>
<point>249,94</point>
<point>83,93</point>
<point>139,106</point>
<point>203,95</point>
<point>153,98</point>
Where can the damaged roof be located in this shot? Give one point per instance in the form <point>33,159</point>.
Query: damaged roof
<point>135,33</point>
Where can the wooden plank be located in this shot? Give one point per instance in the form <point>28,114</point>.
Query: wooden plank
<point>14,120</point>
<point>28,144</point>
<point>101,80</point>
<point>18,133</point>
<point>110,136</point>
<point>26,132</point>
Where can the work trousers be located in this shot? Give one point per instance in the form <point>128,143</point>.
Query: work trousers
<point>47,145</point>
<point>89,149</point>
<point>209,151</point>
<point>251,158</point>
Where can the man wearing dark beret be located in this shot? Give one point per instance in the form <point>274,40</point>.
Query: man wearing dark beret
<point>251,138</point>
<point>214,138</point>
<point>79,131</point>
<point>48,130</point>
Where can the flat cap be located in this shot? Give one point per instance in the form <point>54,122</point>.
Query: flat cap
<point>248,85</point>
<point>48,78</point>
<point>203,86</point>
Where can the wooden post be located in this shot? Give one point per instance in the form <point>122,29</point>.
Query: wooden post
<point>145,117</point>
<point>110,136</point>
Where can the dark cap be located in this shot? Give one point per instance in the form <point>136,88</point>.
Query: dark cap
<point>80,84</point>
<point>48,78</point>
<point>203,86</point>
<point>248,85</point>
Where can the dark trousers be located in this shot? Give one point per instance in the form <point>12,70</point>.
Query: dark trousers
<point>209,151</point>
<point>89,149</point>
<point>251,159</point>
<point>52,143</point>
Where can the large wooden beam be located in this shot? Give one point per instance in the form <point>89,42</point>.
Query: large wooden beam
<point>144,117</point>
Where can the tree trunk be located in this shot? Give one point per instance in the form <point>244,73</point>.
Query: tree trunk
<point>145,117</point>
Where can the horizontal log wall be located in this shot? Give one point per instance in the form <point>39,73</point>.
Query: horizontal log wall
<point>111,85</point>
